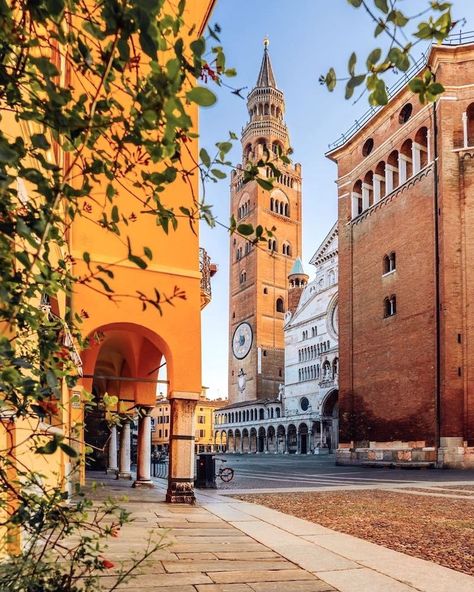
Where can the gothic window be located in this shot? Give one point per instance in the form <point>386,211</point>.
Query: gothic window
<point>272,245</point>
<point>280,305</point>
<point>299,374</point>
<point>470,124</point>
<point>243,277</point>
<point>390,306</point>
<point>389,263</point>
<point>380,189</point>
<point>272,203</point>
<point>277,410</point>
<point>420,149</point>
<point>392,180</point>
<point>287,210</point>
<point>406,161</point>
<point>261,414</point>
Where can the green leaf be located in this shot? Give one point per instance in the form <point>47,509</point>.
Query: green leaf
<point>331,80</point>
<point>7,154</point>
<point>49,448</point>
<point>382,5</point>
<point>264,184</point>
<point>86,256</point>
<point>245,229</point>
<point>198,46</point>
<point>201,96</point>
<point>373,58</point>
<point>115,214</point>
<point>148,253</point>
<point>204,156</point>
<point>69,450</point>
<point>218,173</point>
<point>138,261</point>
<point>355,3</point>
<point>40,141</point>
<point>352,63</point>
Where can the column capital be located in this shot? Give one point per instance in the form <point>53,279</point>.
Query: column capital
<point>189,395</point>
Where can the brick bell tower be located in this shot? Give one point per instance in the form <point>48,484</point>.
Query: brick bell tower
<point>258,273</point>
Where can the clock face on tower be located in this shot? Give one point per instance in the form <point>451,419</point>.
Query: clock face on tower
<point>242,340</point>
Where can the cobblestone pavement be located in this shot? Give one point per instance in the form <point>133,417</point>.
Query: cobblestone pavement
<point>226,545</point>
<point>268,471</point>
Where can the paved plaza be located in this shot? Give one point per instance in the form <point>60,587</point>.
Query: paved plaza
<point>225,545</point>
<point>267,472</point>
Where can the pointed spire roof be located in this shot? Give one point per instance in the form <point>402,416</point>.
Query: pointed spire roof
<point>266,77</point>
<point>297,268</point>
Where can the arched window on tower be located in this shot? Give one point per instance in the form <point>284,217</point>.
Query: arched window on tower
<point>469,126</point>
<point>390,306</point>
<point>389,263</point>
<point>280,305</point>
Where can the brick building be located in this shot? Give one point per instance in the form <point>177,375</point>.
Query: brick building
<point>406,274</point>
<point>258,274</point>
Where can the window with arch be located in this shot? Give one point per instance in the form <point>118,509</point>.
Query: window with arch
<point>420,150</point>
<point>265,290</point>
<point>357,205</point>
<point>243,277</point>
<point>390,306</point>
<point>261,414</point>
<point>272,245</point>
<point>389,263</point>
<point>380,189</point>
<point>392,176</point>
<point>277,412</point>
<point>286,249</point>
<point>406,161</point>
<point>469,140</point>
<point>280,305</point>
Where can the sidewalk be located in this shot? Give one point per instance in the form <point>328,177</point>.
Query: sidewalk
<point>225,545</point>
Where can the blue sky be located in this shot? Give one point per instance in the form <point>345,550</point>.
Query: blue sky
<point>306,38</point>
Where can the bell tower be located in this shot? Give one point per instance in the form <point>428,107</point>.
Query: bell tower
<point>258,273</point>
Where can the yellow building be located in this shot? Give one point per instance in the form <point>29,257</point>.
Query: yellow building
<point>203,424</point>
<point>126,345</point>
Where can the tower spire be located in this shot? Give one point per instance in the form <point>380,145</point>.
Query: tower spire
<point>266,77</point>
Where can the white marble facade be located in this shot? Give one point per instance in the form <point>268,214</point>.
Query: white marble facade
<point>311,350</point>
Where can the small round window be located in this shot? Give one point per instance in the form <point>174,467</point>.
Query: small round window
<point>368,147</point>
<point>405,113</point>
<point>304,403</point>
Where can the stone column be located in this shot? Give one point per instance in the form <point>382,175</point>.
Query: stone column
<point>416,157</point>
<point>112,464</point>
<point>181,448</point>
<point>144,449</point>
<point>465,129</point>
<point>125,452</point>
<point>389,170</point>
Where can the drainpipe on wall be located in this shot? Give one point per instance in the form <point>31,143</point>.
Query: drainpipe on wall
<point>437,286</point>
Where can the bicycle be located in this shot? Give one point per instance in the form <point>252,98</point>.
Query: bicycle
<point>226,474</point>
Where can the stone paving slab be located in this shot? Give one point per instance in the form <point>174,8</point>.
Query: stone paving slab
<point>363,580</point>
<point>284,575</point>
<point>224,588</point>
<point>187,565</point>
<point>310,586</point>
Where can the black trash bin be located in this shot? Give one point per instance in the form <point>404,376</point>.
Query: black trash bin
<point>206,471</point>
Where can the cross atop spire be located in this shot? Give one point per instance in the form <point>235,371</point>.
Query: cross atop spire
<point>265,77</point>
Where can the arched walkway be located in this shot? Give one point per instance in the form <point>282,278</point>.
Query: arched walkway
<point>253,440</point>
<point>281,440</point>
<point>292,444</point>
<point>271,439</point>
<point>303,439</point>
<point>261,440</point>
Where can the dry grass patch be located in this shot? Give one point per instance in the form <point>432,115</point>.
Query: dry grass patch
<point>429,527</point>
